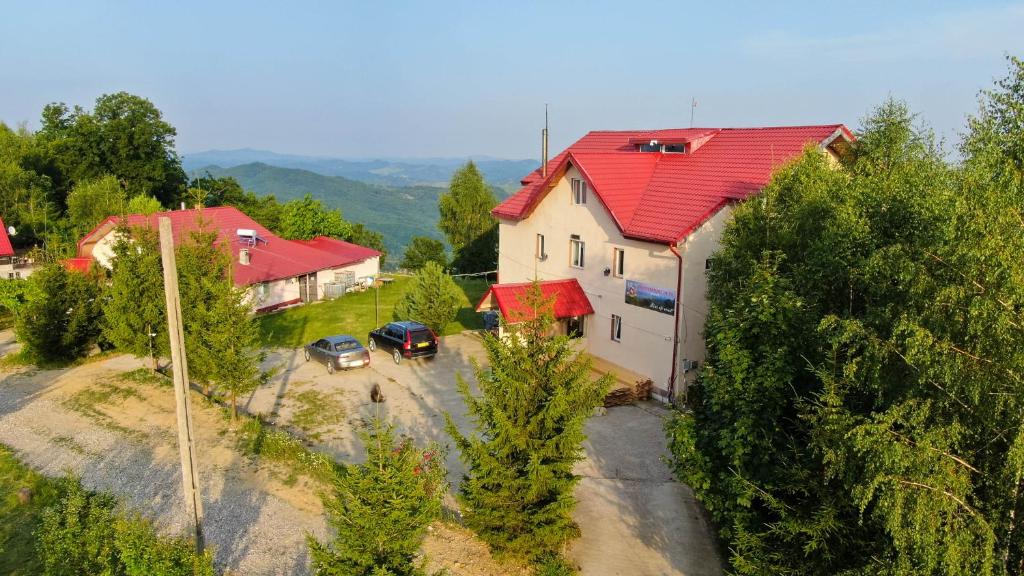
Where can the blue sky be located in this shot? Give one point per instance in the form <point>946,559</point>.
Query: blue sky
<point>432,79</point>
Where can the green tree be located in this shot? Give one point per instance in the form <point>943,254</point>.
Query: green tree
<point>431,299</point>
<point>536,394</point>
<point>25,194</point>
<point>124,135</point>
<point>859,411</point>
<point>380,510</point>
<point>92,201</point>
<point>134,311</point>
<point>60,321</point>
<point>307,218</point>
<point>363,236</point>
<point>422,250</point>
<point>142,204</point>
<point>467,222</point>
<point>221,337</point>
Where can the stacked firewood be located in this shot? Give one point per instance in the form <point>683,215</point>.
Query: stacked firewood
<point>620,396</point>
<point>624,395</point>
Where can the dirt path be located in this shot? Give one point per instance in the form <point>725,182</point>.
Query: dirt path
<point>119,437</point>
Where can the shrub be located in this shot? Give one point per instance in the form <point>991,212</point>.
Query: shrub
<point>381,509</point>
<point>432,299</point>
<point>85,534</point>
<point>61,319</point>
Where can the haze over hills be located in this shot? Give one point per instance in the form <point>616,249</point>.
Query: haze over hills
<point>397,198</point>
<point>502,174</point>
<point>399,213</point>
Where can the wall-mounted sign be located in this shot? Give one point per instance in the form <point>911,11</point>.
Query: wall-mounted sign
<point>650,297</point>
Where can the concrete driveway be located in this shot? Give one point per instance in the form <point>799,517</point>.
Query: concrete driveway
<point>635,519</point>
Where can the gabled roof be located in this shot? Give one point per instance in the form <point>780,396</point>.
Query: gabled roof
<point>271,257</point>
<point>5,241</point>
<point>662,197</point>
<point>569,299</point>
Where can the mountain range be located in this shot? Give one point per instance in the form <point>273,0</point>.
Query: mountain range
<point>502,174</point>
<point>397,198</point>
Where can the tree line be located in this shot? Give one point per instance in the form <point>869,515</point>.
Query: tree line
<point>861,409</point>
<point>82,166</point>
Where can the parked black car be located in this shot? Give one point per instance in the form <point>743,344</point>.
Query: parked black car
<point>340,351</point>
<point>404,339</point>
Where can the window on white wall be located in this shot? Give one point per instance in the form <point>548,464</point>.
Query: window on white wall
<point>577,251</point>
<point>541,253</point>
<point>579,191</point>
<point>619,262</point>
<point>616,328</point>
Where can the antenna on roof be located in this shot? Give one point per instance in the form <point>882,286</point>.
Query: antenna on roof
<point>544,145</point>
<point>693,106</point>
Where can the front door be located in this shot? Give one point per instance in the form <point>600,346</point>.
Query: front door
<point>307,287</point>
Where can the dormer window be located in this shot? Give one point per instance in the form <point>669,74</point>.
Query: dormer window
<point>655,146</point>
<point>579,191</point>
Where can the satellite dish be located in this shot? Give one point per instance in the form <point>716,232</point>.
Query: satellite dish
<point>11,231</point>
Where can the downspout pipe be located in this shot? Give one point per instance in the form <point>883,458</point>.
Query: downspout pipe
<point>678,315</point>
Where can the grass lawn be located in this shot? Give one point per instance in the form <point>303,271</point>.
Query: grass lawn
<point>18,522</point>
<point>354,314</point>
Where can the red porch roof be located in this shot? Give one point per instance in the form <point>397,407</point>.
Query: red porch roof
<point>569,299</point>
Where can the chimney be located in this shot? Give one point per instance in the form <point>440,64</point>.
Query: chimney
<point>244,257</point>
<point>544,146</point>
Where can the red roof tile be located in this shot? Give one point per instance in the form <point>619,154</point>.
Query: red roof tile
<point>271,257</point>
<point>662,197</point>
<point>5,241</point>
<point>77,264</point>
<point>569,299</point>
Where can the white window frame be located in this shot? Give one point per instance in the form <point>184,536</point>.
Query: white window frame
<point>618,262</point>
<point>579,191</point>
<point>540,252</point>
<point>577,248</point>
<point>616,328</point>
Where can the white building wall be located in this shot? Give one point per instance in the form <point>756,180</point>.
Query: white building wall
<point>368,267</point>
<point>646,343</point>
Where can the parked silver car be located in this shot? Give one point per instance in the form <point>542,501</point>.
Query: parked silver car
<point>341,351</point>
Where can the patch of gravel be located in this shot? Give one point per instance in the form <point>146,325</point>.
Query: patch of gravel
<point>251,531</point>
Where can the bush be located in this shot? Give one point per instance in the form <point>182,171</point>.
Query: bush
<point>84,534</point>
<point>61,319</point>
<point>432,299</point>
<point>381,509</point>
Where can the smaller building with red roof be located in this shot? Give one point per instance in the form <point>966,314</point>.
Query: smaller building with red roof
<point>279,272</point>
<point>621,228</point>
<point>12,265</point>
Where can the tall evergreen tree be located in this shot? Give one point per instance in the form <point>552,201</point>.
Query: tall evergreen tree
<point>536,394</point>
<point>221,337</point>
<point>467,222</point>
<point>135,311</point>
<point>380,510</point>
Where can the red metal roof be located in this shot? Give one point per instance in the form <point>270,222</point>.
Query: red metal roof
<point>271,257</point>
<point>5,241</point>
<point>77,264</point>
<point>569,299</point>
<point>662,197</point>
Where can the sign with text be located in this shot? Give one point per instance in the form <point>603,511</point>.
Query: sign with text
<point>650,297</point>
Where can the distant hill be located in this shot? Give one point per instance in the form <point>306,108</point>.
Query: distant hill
<point>502,174</point>
<point>397,212</point>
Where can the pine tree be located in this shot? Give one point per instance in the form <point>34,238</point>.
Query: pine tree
<point>221,337</point>
<point>536,394</point>
<point>380,509</point>
<point>432,299</point>
<point>135,310</point>
<point>465,219</point>
<point>60,321</point>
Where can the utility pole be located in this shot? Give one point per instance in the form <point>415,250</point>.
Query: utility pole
<point>186,435</point>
